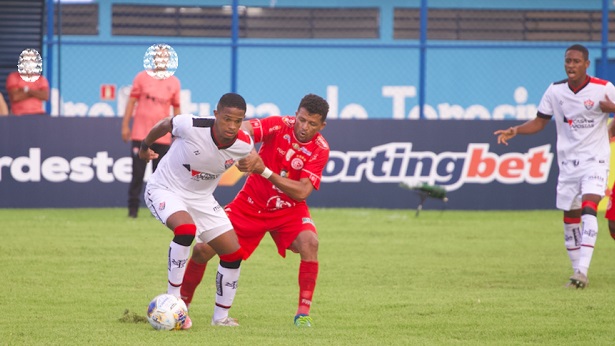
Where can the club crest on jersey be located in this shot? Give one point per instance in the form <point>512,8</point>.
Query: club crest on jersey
<point>228,163</point>
<point>296,163</point>
<point>588,104</point>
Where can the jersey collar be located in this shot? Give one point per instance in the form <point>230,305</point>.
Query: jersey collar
<point>580,87</point>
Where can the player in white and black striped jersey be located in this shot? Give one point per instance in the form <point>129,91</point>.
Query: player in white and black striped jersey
<point>580,106</point>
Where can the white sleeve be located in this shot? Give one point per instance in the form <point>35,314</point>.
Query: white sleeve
<point>545,106</point>
<point>610,91</point>
<point>181,123</point>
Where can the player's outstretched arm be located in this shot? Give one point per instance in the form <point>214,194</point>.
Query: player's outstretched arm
<point>529,127</point>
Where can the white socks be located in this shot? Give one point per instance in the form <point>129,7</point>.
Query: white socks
<point>226,287</point>
<point>572,240</point>
<point>589,236</point>
<point>178,257</point>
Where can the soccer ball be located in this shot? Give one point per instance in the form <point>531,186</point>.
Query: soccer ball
<point>167,312</point>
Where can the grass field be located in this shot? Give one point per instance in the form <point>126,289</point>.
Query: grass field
<point>387,278</point>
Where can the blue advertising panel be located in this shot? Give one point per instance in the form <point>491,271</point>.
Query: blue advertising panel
<point>63,162</point>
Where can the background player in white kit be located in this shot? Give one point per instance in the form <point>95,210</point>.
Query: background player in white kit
<point>180,193</point>
<point>583,153</point>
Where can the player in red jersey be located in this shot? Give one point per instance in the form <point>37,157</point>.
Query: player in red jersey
<point>287,168</point>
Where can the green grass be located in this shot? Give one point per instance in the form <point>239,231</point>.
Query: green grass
<point>386,278</point>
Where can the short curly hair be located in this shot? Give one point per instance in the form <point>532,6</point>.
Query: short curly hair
<point>315,104</point>
<point>580,48</point>
<point>232,100</point>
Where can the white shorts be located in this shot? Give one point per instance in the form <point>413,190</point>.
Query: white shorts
<point>209,217</point>
<point>580,178</point>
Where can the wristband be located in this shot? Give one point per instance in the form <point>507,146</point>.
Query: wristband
<point>144,146</point>
<point>266,173</point>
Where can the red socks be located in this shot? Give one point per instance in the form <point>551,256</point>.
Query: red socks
<point>192,278</point>
<point>308,272</point>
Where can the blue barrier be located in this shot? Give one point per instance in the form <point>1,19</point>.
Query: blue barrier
<point>82,162</point>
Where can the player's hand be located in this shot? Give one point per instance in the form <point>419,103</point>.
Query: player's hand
<point>251,163</point>
<point>607,106</point>
<point>505,135</point>
<point>148,155</point>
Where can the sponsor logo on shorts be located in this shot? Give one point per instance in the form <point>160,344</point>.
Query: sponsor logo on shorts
<point>162,205</point>
<point>307,220</point>
<point>572,162</point>
<point>596,177</point>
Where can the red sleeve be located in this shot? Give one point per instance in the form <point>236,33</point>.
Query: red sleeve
<point>269,127</point>
<point>313,168</point>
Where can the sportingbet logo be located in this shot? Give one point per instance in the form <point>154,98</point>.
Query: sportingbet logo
<point>395,162</point>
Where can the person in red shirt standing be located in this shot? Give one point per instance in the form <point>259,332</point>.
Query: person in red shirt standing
<point>153,98</point>
<point>26,97</point>
<point>287,168</point>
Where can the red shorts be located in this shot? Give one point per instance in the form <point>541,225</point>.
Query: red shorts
<point>284,225</point>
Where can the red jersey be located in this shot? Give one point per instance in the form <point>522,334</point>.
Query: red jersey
<point>285,155</point>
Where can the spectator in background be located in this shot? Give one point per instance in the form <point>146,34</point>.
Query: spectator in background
<point>4,110</point>
<point>153,99</point>
<point>27,97</point>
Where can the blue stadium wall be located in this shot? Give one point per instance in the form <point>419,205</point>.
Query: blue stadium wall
<point>361,78</point>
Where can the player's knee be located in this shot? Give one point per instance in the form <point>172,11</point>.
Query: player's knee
<point>184,234</point>
<point>201,253</point>
<point>232,260</point>
<point>589,208</point>
<point>307,243</point>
